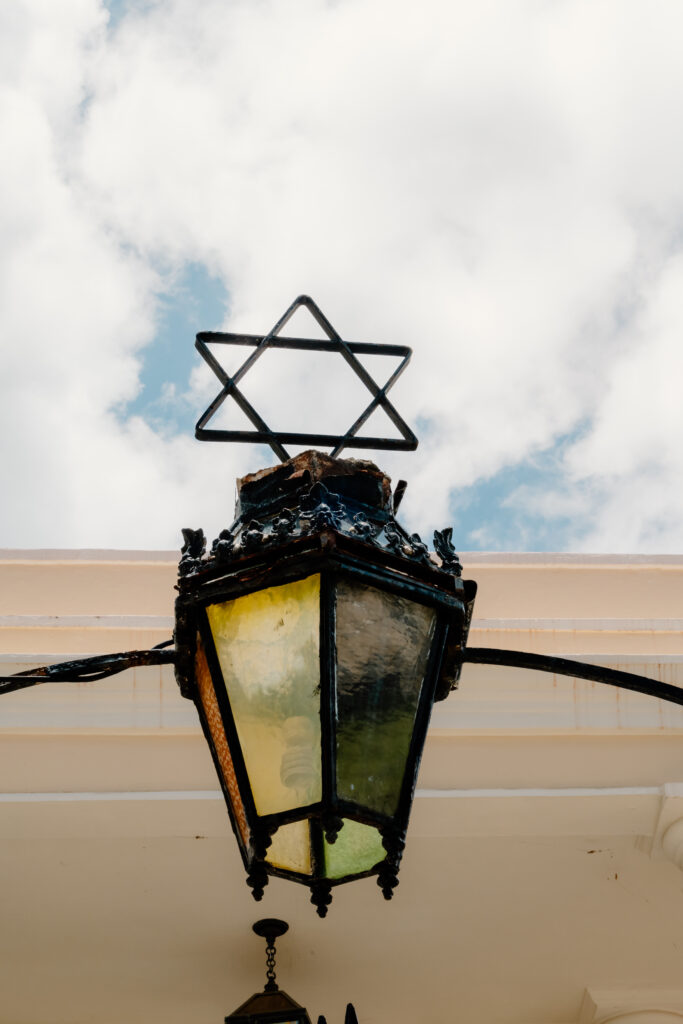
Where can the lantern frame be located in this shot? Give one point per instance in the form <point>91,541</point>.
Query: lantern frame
<point>325,547</point>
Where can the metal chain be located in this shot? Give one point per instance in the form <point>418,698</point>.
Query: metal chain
<point>270,963</point>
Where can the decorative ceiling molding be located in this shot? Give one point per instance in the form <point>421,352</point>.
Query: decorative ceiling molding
<point>637,1005</point>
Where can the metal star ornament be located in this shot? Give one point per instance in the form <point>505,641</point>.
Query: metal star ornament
<point>262,434</point>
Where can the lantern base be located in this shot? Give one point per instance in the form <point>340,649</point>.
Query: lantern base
<point>270,928</point>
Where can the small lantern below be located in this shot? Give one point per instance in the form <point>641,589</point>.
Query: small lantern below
<point>273,1006</point>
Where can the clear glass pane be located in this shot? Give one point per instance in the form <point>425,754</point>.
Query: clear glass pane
<point>383,644</point>
<point>290,848</point>
<point>268,648</point>
<point>357,848</point>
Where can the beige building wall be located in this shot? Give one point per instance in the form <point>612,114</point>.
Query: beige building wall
<point>542,879</point>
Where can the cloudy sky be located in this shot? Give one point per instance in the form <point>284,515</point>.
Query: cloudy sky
<point>498,185</point>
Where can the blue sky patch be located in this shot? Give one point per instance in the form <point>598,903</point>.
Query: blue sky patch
<point>196,302</point>
<point>487,518</point>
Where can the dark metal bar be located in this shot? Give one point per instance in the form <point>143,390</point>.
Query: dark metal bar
<point>301,300</point>
<point>421,723</point>
<point>304,344</point>
<point>315,836</point>
<point>328,690</point>
<point>262,428</point>
<point>335,343</point>
<point>230,388</point>
<point>268,437</point>
<point>576,669</point>
<point>376,391</point>
<point>228,721</point>
<point>86,670</point>
<point>262,343</point>
<point>364,416</point>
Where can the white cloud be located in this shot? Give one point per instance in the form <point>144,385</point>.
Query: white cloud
<point>498,185</point>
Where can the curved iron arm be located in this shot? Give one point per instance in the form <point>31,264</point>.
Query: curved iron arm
<point>88,670</point>
<point>577,669</point>
<point>101,666</point>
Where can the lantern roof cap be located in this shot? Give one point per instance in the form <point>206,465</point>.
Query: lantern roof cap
<point>262,1004</point>
<point>356,479</point>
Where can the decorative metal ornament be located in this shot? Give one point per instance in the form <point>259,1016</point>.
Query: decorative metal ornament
<point>335,343</point>
<point>314,639</point>
<point>273,1006</point>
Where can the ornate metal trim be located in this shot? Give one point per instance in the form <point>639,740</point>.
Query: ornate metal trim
<point>317,510</point>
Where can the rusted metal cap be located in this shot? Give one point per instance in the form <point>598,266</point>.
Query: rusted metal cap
<point>356,479</point>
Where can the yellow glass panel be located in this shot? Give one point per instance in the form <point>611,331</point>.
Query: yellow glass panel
<point>290,848</point>
<point>268,648</point>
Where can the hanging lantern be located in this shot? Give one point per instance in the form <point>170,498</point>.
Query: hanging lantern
<point>314,639</point>
<point>273,1006</point>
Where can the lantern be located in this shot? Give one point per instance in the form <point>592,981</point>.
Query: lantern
<point>314,639</point>
<point>273,1006</point>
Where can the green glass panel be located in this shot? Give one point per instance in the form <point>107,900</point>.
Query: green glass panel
<point>383,644</point>
<point>290,848</point>
<point>268,648</point>
<point>357,848</point>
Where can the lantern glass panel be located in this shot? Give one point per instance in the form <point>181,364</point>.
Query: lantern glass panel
<point>268,649</point>
<point>357,848</point>
<point>383,645</point>
<point>214,722</point>
<point>290,848</point>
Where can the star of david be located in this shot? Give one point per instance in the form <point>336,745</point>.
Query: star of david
<point>262,434</point>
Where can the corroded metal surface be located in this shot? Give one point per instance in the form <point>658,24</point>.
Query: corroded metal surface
<point>88,670</point>
<point>307,495</point>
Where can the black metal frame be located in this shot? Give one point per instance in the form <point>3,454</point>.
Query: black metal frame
<point>276,439</point>
<point>332,557</point>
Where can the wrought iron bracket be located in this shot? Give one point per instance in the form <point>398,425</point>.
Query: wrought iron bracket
<point>101,666</point>
<point>88,670</point>
<point>575,669</point>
